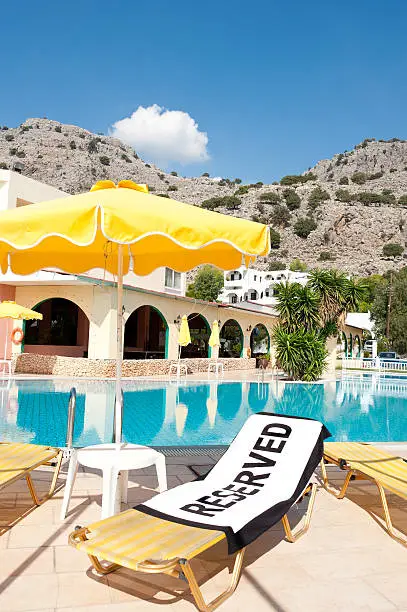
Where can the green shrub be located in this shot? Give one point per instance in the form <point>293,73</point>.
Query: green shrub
<point>72,144</point>
<point>147,165</point>
<point>229,202</point>
<point>343,195</point>
<point>375,175</point>
<point>359,178</point>
<point>104,160</point>
<point>392,249</point>
<point>82,136</point>
<point>403,200</point>
<point>241,190</point>
<point>173,173</point>
<point>304,226</point>
<point>163,195</point>
<point>58,129</point>
<point>205,174</point>
<point>237,181</point>
<point>20,154</point>
<point>172,188</point>
<point>301,354</point>
<point>93,145</point>
<point>280,216</point>
<point>344,180</point>
<point>295,179</point>
<point>126,158</point>
<point>270,197</point>
<point>393,170</point>
<point>325,256</point>
<point>3,166</point>
<point>388,197</point>
<point>298,266</point>
<point>275,239</point>
<point>292,199</point>
<point>316,197</point>
<point>275,264</point>
<point>9,137</point>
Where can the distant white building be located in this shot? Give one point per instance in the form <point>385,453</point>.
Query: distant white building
<point>250,285</point>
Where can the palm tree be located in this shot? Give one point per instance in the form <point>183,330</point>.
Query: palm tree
<point>306,308</point>
<point>286,297</point>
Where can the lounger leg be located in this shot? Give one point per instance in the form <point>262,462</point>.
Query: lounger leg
<point>37,501</point>
<point>293,537</point>
<point>345,485</point>
<point>389,524</point>
<point>70,481</point>
<point>161,473</point>
<point>196,591</point>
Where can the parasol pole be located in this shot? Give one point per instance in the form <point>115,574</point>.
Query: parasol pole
<point>119,347</point>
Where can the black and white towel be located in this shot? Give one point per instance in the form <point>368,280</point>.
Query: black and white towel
<point>262,474</point>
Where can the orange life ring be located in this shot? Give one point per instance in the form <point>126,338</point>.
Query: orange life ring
<point>17,331</point>
<point>249,353</point>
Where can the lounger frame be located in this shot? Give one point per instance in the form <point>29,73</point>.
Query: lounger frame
<point>26,473</point>
<point>354,474</point>
<point>181,567</point>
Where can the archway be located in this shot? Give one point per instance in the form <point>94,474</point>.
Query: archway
<point>200,332</point>
<point>64,330</point>
<point>344,344</point>
<point>259,340</point>
<point>357,346</point>
<point>231,339</point>
<point>145,334</point>
<point>350,346</point>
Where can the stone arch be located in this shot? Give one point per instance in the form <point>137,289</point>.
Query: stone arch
<point>64,329</point>
<point>200,331</point>
<point>231,339</point>
<point>357,345</point>
<point>146,334</point>
<point>259,340</point>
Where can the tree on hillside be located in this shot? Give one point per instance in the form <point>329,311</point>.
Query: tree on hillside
<point>389,309</point>
<point>207,285</point>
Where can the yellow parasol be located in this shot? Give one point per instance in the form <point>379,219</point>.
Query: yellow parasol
<point>11,310</point>
<point>119,228</point>
<point>214,339</point>
<point>184,337</point>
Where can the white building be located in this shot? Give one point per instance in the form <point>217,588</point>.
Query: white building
<point>250,285</point>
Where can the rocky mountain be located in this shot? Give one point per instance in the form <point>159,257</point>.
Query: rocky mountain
<point>340,213</point>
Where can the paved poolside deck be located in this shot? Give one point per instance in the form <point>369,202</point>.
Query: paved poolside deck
<point>346,562</point>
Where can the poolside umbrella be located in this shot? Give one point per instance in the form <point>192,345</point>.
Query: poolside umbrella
<point>11,310</point>
<point>121,228</point>
<point>214,339</point>
<point>184,337</point>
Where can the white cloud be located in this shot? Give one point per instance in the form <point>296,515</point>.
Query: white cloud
<point>163,135</point>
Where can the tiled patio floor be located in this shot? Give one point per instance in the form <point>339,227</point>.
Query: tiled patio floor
<point>345,563</point>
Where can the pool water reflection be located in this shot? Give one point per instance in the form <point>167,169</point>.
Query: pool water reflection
<point>366,408</point>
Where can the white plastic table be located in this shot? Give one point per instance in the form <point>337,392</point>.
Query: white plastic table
<point>216,367</point>
<point>113,459</point>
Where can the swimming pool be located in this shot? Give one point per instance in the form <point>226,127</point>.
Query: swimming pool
<point>363,407</point>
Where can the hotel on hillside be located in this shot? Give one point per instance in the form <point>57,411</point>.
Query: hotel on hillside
<point>79,312</point>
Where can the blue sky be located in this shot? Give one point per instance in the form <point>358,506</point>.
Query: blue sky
<point>275,85</point>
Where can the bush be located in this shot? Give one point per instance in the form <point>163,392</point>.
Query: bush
<point>20,154</point>
<point>163,195</point>
<point>298,266</point>
<point>270,197</point>
<point>12,151</point>
<point>316,197</point>
<point>232,202</point>
<point>275,264</point>
<point>304,226</point>
<point>375,175</point>
<point>367,197</point>
<point>205,174</point>
<point>392,249</point>
<point>275,239</point>
<point>104,160</point>
<point>3,166</point>
<point>301,354</point>
<point>229,202</point>
<point>172,188</point>
<point>207,285</point>
<point>359,178</point>
<point>388,197</point>
<point>58,129</point>
<point>241,190</point>
<point>126,158</point>
<point>72,144</point>
<point>280,216</point>
<point>292,199</point>
<point>9,137</point>
<point>93,145</point>
<point>403,200</point>
<point>173,173</point>
<point>344,180</point>
<point>393,170</point>
<point>295,179</point>
<point>82,135</point>
<point>325,256</point>
<point>343,195</point>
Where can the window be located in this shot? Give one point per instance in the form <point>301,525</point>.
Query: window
<point>255,277</point>
<point>172,279</point>
<point>233,298</point>
<point>253,295</point>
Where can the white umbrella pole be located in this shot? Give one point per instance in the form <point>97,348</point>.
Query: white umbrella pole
<point>119,346</point>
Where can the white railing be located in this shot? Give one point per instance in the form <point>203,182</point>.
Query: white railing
<point>380,365</point>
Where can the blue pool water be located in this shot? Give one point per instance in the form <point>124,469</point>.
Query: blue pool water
<point>366,408</point>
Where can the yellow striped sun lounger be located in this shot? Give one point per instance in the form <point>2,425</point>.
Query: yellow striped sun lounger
<point>266,469</point>
<point>367,462</point>
<point>18,460</point>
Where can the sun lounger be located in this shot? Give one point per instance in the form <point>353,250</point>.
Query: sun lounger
<point>266,469</point>
<point>18,460</point>
<point>367,462</point>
